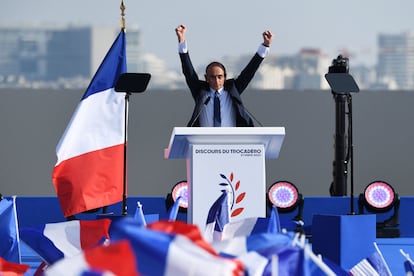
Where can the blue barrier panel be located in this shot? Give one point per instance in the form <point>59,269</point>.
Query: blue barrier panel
<point>344,239</point>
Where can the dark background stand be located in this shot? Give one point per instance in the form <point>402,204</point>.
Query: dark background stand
<point>342,85</point>
<point>334,235</point>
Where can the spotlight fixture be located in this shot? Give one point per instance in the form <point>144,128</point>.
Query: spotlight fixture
<point>380,197</point>
<point>180,190</point>
<point>286,197</point>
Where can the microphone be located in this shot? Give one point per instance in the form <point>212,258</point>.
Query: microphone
<point>247,111</point>
<point>206,101</point>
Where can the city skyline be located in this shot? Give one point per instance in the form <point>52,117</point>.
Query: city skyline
<point>38,57</point>
<point>224,29</point>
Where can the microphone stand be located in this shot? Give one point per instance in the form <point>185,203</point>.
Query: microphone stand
<point>206,101</point>
<point>251,115</point>
<point>247,111</point>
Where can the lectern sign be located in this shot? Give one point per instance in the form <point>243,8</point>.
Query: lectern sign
<point>240,169</point>
<point>226,158</point>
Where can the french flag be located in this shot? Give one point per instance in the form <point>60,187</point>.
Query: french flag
<point>9,230</point>
<point>257,225</point>
<point>259,251</point>
<point>252,226</point>
<point>272,254</point>
<point>55,241</point>
<point>243,244</point>
<point>113,259</point>
<point>12,269</point>
<point>374,264</point>
<point>90,154</point>
<point>172,248</point>
<point>409,268</point>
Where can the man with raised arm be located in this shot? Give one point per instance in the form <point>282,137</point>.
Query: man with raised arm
<point>217,99</point>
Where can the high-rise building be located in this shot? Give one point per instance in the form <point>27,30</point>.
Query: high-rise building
<point>23,52</point>
<point>69,53</point>
<point>396,59</point>
<point>134,50</point>
<point>301,71</point>
<point>49,54</point>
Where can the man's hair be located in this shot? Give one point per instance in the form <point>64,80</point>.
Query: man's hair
<point>218,64</point>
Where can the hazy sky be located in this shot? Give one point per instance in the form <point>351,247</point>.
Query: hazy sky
<point>231,27</point>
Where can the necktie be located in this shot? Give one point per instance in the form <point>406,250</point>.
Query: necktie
<point>217,116</point>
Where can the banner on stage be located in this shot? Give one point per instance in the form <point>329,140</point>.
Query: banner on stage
<point>240,169</point>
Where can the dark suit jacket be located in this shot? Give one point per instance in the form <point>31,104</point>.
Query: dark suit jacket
<point>200,88</point>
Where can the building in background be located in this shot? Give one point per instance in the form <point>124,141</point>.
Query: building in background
<point>302,71</point>
<point>396,60</point>
<point>59,56</point>
<point>23,53</point>
<point>67,57</point>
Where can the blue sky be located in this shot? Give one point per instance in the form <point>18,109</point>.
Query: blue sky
<point>217,28</point>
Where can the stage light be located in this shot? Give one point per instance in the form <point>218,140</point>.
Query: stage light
<point>286,197</point>
<point>380,197</point>
<point>180,189</point>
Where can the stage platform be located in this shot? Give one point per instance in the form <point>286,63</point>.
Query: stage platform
<point>41,210</point>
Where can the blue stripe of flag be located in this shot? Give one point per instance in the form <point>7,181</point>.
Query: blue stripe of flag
<point>150,247</point>
<point>113,65</point>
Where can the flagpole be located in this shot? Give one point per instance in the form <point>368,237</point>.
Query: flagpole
<point>124,194</point>
<point>128,83</point>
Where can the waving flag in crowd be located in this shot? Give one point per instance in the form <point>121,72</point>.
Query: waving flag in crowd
<point>89,170</point>
<point>253,225</point>
<point>372,265</point>
<point>408,263</point>
<point>9,234</point>
<point>240,245</point>
<point>253,246</point>
<point>139,215</point>
<point>54,241</point>
<point>173,212</point>
<point>113,259</point>
<point>12,269</point>
<point>256,251</point>
<point>409,268</point>
<point>160,249</point>
<point>173,248</point>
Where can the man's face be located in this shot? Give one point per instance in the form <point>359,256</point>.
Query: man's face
<point>215,77</point>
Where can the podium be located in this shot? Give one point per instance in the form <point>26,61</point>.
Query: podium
<point>229,158</point>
